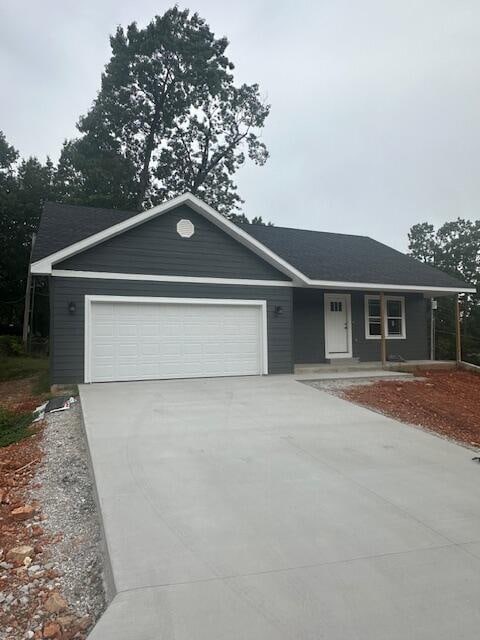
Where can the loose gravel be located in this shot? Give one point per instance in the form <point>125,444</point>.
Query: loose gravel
<point>336,386</point>
<point>65,491</point>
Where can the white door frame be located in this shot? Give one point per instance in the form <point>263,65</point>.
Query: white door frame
<point>348,307</point>
<point>151,300</point>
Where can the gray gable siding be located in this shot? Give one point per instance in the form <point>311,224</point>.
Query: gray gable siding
<point>309,328</point>
<point>156,248</point>
<point>67,330</point>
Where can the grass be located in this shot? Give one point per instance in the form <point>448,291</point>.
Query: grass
<point>14,426</point>
<point>18,367</point>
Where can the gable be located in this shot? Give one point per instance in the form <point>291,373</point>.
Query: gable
<point>156,248</point>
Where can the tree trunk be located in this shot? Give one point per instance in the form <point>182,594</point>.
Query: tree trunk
<point>149,146</point>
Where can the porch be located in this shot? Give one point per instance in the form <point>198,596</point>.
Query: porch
<point>361,330</point>
<point>366,369</point>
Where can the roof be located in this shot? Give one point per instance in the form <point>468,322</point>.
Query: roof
<point>313,257</point>
<point>63,224</point>
<point>347,258</point>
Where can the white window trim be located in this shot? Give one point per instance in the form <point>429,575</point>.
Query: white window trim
<point>87,376</point>
<point>401,299</point>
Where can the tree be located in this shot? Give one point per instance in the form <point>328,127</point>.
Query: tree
<point>455,249</point>
<point>168,118</point>
<point>23,187</point>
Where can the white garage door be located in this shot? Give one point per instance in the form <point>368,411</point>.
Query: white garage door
<point>146,340</point>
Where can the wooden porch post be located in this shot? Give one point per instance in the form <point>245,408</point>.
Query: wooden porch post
<point>383,343</point>
<point>458,334</point>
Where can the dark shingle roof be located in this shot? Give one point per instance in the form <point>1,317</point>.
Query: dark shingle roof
<point>318,255</point>
<point>346,258</point>
<point>64,224</point>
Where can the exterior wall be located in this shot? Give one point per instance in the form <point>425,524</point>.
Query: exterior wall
<point>67,330</point>
<point>155,248</point>
<point>309,328</point>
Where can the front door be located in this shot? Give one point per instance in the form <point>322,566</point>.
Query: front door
<point>338,327</point>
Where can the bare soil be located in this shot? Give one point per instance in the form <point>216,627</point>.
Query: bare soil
<point>36,598</point>
<point>446,402</point>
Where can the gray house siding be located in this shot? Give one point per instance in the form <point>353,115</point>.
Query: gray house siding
<point>67,354</point>
<point>156,248</point>
<point>309,329</point>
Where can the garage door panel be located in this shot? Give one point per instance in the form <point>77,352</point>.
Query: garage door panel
<point>135,341</point>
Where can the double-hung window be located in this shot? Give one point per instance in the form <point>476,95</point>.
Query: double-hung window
<point>394,317</point>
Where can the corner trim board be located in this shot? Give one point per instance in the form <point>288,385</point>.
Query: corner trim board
<point>90,299</point>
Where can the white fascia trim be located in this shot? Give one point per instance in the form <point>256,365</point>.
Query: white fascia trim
<point>324,284</point>
<point>373,286</point>
<point>90,299</point>
<point>107,275</point>
<point>44,266</point>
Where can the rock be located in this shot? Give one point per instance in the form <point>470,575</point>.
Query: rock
<point>65,621</point>
<point>51,630</point>
<point>18,554</point>
<point>34,567</point>
<point>55,603</point>
<point>84,623</point>
<point>23,513</point>
<point>37,530</point>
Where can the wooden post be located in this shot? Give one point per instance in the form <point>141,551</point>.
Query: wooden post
<point>458,334</point>
<point>433,307</point>
<point>383,343</point>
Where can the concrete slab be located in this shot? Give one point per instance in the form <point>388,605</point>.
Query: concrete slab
<point>369,374</point>
<point>258,508</point>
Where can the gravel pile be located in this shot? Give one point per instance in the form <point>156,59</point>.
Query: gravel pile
<point>337,385</point>
<point>66,494</point>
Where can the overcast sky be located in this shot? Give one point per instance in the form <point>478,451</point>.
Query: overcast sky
<point>375,121</point>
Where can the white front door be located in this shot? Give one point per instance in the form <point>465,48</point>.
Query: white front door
<point>338,326</point>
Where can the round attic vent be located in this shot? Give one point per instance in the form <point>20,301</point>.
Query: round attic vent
<point>185,228</point>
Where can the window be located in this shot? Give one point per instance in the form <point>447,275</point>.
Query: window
<point>335,306</point>
<point>394,317</point>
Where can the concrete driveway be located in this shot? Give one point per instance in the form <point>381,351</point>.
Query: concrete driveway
<point>264,509</point>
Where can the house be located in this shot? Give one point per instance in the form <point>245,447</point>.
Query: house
<point>180,291</point>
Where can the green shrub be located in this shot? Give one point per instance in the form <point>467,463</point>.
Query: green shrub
<point>11,346</point>
<point>14,426</point>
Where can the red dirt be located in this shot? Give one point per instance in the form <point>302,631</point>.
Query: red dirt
<point>18,467</point>
<point>17,395</point>
<point>447,402</point>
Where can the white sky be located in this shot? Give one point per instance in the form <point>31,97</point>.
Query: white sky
<point>375,121</point>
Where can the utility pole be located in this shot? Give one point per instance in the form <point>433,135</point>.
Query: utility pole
<point>28,300</point>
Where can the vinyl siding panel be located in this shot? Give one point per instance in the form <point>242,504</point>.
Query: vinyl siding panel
<point>155,248</point>
<point>67,355</point>
<point>309,329</point>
